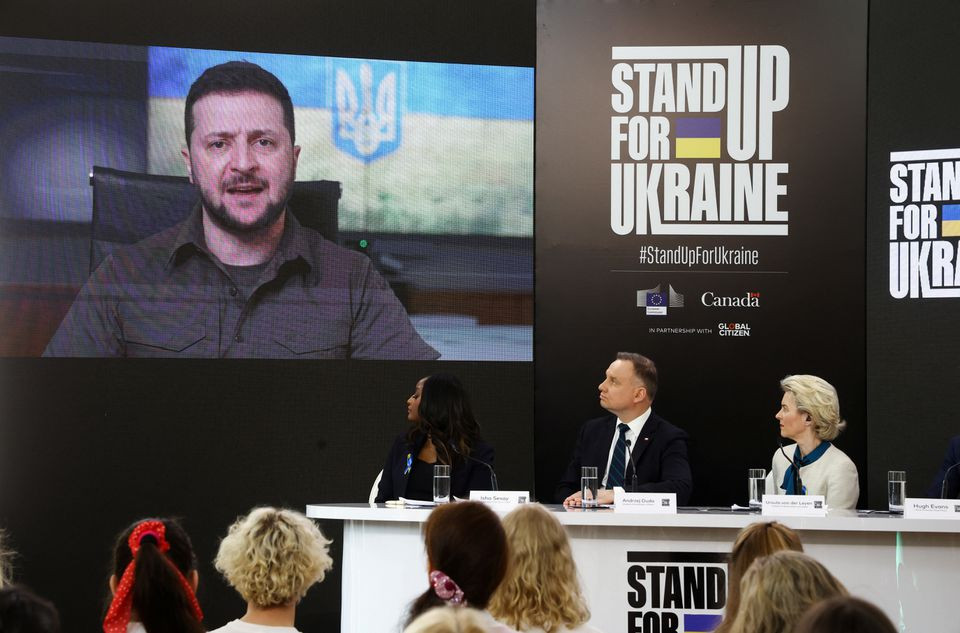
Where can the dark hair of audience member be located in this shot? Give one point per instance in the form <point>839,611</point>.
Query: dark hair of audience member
<point>158,595</point>
<point>844,614</point>
<point>755,540</point>
<point>22,611</point>
<point>465,541</point>
<point>447,417</point>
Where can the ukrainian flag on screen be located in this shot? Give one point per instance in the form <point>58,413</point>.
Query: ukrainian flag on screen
<point>950,220</point>
<point>697,138</point>
<point>700,622</point>
<point>452,151</point>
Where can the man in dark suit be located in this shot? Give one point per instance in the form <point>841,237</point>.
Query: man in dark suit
<point>659,449</point>
<point>948,484</point>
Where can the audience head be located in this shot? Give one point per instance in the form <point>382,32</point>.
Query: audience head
<point>778,589</point>
<point>541,587</point>
<point>447,417</point>
<point>154,577</point>
<point>466,554</point>
<point>448,620</point>
<point>845,614</point>
<point>754,541</point>
<point>272,557</point>
<point>22,611</point>
<point>817,398</point>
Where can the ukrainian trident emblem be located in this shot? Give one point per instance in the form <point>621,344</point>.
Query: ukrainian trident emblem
<point>366,122</point>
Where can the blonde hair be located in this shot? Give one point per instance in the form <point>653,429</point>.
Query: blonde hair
<point>755,540</point>
<point>817,398</point>
<point>448,620</point>
<point>777,590</point>
<point>541,587</point>
<point>272,556</point>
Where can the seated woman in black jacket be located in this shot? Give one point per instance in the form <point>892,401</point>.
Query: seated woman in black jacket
<point>442,431</point>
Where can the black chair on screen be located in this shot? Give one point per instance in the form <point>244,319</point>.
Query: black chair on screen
<point>129,206</point>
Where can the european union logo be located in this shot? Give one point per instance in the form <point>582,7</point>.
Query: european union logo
<point>657,303</point>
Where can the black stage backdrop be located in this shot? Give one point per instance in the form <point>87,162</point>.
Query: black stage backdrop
<point>912,359</point>
<point>86,446</point>
<point>777,292</point>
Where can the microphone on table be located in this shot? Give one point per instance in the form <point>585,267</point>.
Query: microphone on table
<point>943,485</point>
<point>493,475</point>
<point>633,466</point>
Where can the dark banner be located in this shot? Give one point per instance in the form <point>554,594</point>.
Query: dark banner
<point>699,190</point>
<point>913,213</point>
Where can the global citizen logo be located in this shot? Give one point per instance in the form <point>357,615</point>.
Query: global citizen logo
<point>657,302</point>
<point>747,300</point>
<point>733,329</point>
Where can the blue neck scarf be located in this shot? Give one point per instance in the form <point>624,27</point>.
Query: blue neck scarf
<point>788,478</point>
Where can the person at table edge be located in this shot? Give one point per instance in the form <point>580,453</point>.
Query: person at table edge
<point>659,449</point>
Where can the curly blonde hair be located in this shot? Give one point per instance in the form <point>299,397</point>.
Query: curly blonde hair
<point>777,590</point>
<point>541,587</point>
<point>273,556</point>
<point>818,398</point>
<point>448,620</point>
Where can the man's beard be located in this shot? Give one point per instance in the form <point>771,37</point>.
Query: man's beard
<point>222,218</point>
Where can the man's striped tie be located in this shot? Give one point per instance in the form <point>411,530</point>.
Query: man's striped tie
<point>618,465</point>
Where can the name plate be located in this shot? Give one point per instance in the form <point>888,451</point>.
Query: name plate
<point>931,508</point>
<point>794,505</point>
<point>501,498</point>
<point>644,502</point>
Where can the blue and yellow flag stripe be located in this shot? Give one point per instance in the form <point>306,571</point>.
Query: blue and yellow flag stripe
<point>697,137</point>
<point>700,622</point>
<point>950,220</point>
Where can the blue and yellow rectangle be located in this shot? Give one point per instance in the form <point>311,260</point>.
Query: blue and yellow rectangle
<point>700,622</point>
<point>950,220</point>
<point>697,137</point>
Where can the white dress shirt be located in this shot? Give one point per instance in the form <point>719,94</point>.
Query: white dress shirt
<point>636,426</point>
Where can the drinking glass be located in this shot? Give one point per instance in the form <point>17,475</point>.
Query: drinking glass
<point>896,490</point>
<point>441,483</point>
<point>756,486</point>
<point>588,486</point>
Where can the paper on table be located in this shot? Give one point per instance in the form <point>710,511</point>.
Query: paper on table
<point>417,502</point>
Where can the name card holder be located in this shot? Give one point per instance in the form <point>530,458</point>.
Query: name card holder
<point>644,502</point>
<point>501,498</point>
<point>794,506</point>
<point>931,508</point>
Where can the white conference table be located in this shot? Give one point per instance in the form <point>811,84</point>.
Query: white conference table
<point>908,567</point>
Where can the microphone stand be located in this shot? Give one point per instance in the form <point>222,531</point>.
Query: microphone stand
<point>797,481</point>
<point>943,485</point>
<point>633,467</point>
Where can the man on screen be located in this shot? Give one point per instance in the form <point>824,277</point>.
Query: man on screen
<point>240,277</point>
<point>658,449</point>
